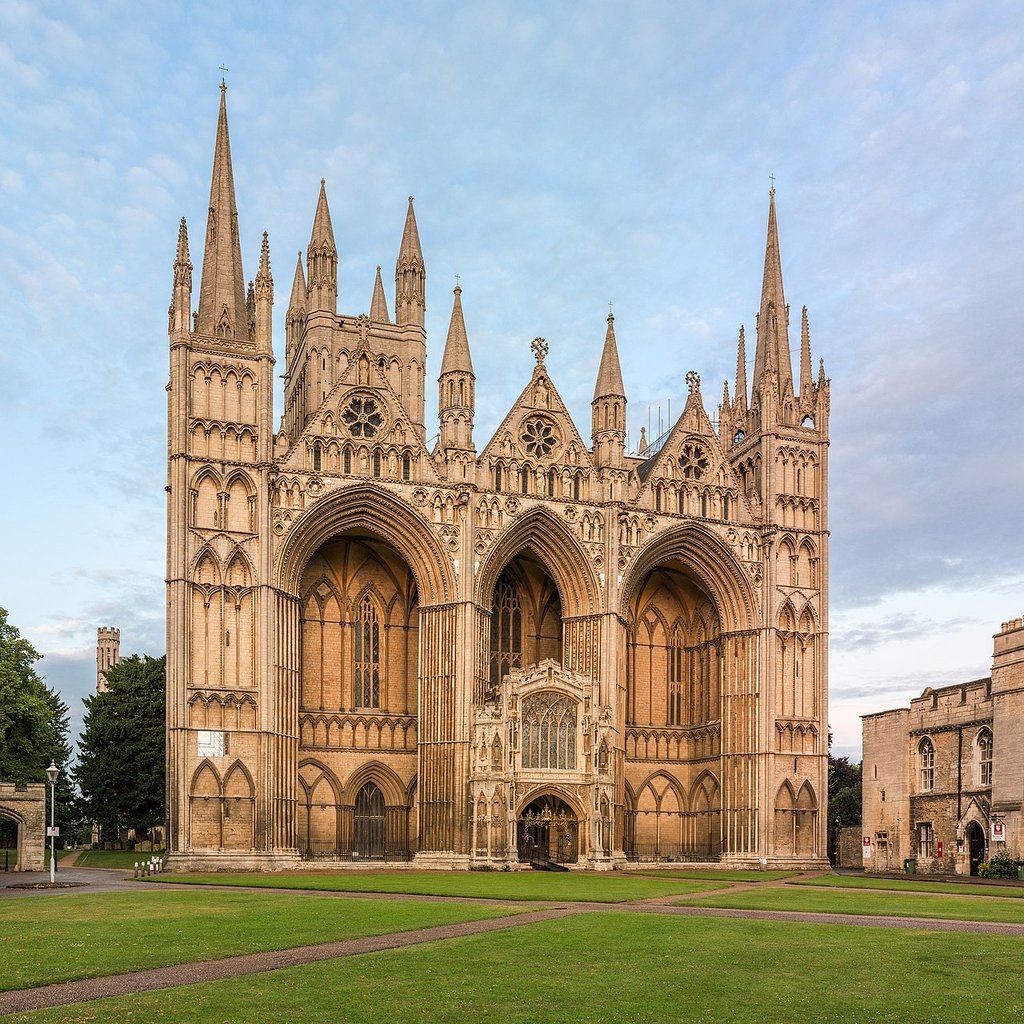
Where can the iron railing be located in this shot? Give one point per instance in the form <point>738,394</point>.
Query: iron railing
<point>316,850</point>
<point>670,853</point>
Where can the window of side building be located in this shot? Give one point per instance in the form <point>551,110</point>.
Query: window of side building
<point>985,757</point>
<point>926,755</point>
<point>925,839</point>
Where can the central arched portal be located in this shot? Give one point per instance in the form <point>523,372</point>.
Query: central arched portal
<point>548,831</point>
<point>359,626</point>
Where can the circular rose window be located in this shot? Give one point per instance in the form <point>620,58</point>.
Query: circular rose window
<point>363,417</point>
<point>693,460</point>
<point>538,437</point>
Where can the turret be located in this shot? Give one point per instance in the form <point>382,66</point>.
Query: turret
<point>222,308</point>
<point>264,295</point>
<point>379,303</point>
<point>296,315</point>
<point>322,260</point>
<point>179,316</point>
<point>410,275</point>
<point>456,399</point>
<point>608,408</point>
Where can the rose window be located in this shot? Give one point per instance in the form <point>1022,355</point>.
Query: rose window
<point>538,438</point>
<point>693,461</point>
<point>363,417</point>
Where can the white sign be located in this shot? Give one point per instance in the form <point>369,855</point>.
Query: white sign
<point>867,847</point>
<point>998,832</point>
<point>52,830</point>
<point>211,744</point>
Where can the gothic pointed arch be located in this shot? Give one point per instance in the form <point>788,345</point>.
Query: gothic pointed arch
<point>373,510</point>
<point>540,532</point>
<point>709,560</point>
<point>382,776</point>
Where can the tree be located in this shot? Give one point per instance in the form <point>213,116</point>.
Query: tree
<point>844,791</point>
<point>35,726</point>
<point>121,752</point>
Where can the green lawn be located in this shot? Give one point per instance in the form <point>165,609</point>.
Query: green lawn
<point>738,875</point>
<point>618,968</point>
<point>60,938</point>
<point>838,901</point>
<point>113,858</point>
<point>912,885</point>
<point>492,885</point>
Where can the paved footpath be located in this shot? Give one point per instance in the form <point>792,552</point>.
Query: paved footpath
<point>107,880</point>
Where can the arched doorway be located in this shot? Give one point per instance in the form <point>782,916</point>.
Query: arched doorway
<point>369,829</point>
<point>10,841</point>
<point>975,846</point>
<point>548,831</point>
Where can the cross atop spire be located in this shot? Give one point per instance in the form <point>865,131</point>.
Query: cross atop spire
<point>456,348</point>
<point>222,309</point>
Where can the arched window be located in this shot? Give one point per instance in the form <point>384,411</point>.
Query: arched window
<point>576,488</point>
<point>348,460</point>
<point>985,757</point>
<point>497,477</point>
<point>506,630</point>
<point>549,732</point>
<point>657,498</point>
<point>676,661</point>
<point>552,476</point>
<point>704,506</point>
<point>524,480</point>
<point>316,457</point>
<point>368,840</point>
<point>367,655</point>
<point>406,466</point>
<point>926,753</point>
<point>376,463</point>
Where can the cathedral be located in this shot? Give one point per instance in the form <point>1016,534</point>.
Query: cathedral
<point>386,646</point>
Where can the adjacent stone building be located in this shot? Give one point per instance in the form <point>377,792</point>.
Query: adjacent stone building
<point>384,647</point>
<point>108,654</point>
<point>25,805</point>
<point>943,780</point>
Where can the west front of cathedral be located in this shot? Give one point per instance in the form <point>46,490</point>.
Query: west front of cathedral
<point>539,651</point>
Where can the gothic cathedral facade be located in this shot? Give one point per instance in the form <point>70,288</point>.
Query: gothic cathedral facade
<point>387,650</point>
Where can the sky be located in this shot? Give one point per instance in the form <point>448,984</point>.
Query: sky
<point>562,156</point>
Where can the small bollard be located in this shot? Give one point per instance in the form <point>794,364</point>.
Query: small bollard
<point>136,869</point>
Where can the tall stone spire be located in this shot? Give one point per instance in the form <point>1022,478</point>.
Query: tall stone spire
<point>222,309</point>
<point>773,317</point>
<point>410,275</point>
<point>741,374</point>
<point>609,375</point>
<point>806,378</point>
<point>379,304</point>
<point>608,407</point>
<point>456,399</point>
<point>179,316</point>
<point>322,259</point>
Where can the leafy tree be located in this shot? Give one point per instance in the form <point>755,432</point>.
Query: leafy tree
<point>844,791</point>
<point>35,726</point>
<point>121,751</point>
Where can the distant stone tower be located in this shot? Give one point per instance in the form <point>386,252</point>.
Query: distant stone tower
<point>108,654</point>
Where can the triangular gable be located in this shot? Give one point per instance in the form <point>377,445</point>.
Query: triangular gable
<point>521,436</point>
<point>694,438</point>
<point>331,422</point>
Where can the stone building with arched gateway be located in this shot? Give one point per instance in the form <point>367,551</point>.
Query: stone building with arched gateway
<point>384,650</point>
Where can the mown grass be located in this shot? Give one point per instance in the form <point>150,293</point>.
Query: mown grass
<point>912,885</point>
<point>126,859</point>
<point>618,968</point>
<point>491,885</point>
<point>61,938</point>
<point>890,904</point>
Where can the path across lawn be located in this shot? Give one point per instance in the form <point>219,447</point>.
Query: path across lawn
<point>494,885</point>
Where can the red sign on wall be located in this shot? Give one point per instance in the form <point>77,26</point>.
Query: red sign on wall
<point>938,847</point>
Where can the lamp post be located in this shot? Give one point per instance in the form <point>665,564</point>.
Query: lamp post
<point>51,773</point>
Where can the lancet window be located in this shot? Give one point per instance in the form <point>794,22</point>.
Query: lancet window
<point>367,655</point>
<point>549,732</point>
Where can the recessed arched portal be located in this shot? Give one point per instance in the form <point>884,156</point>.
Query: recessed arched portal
<point>548,831</point>
<point>975,846</point>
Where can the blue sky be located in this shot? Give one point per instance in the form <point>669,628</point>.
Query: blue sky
<point>563,156</point>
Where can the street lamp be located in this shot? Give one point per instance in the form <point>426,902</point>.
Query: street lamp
<point>51,773</point>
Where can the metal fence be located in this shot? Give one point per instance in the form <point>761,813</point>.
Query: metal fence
<point>326,851</point>
<point>670,853</point>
